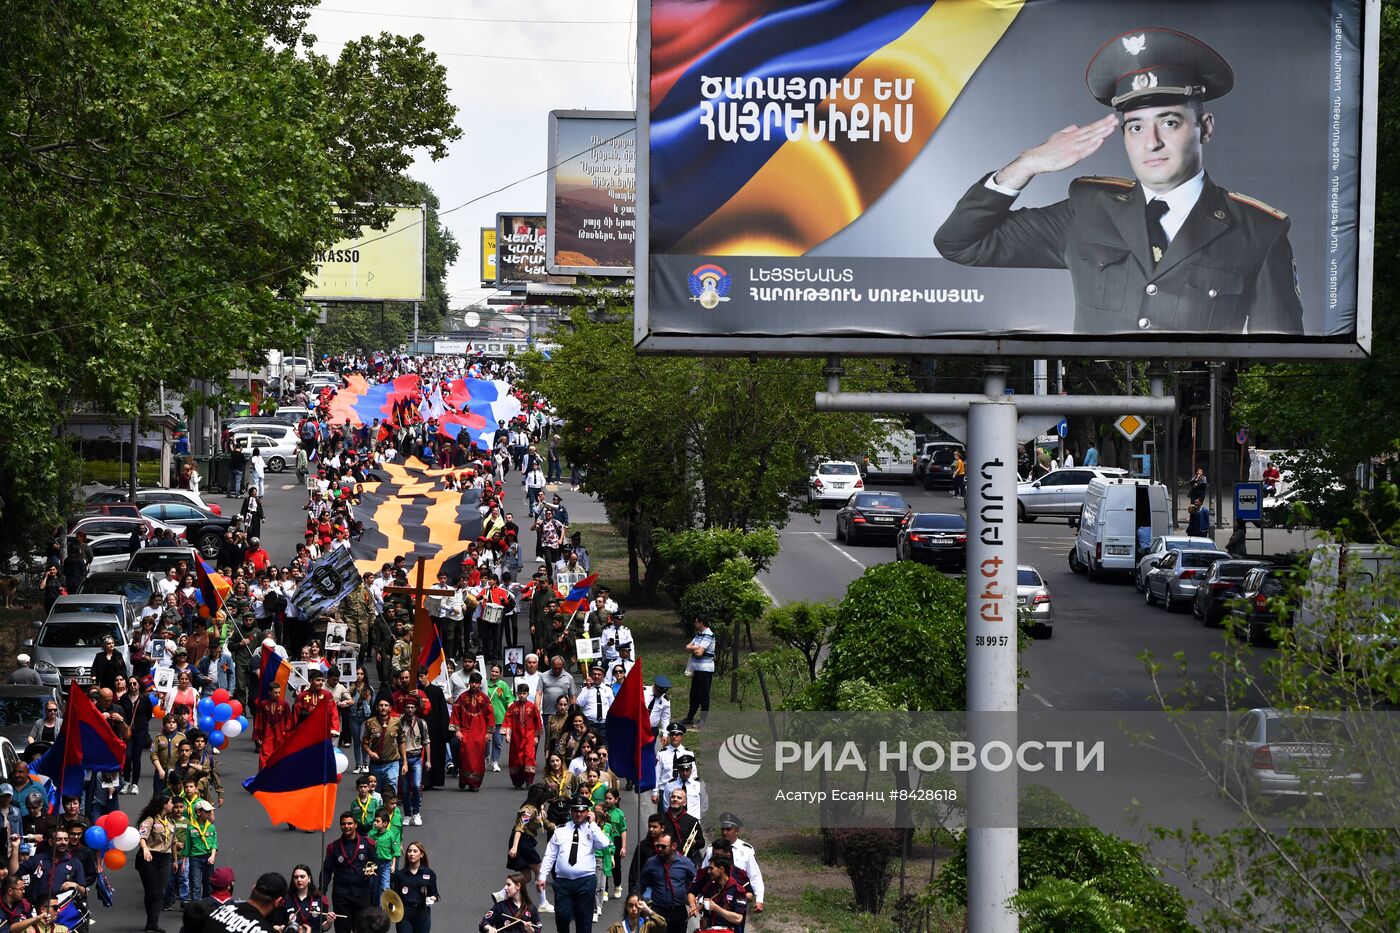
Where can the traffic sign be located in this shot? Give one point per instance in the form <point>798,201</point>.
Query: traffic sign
<point>1249,501</point>
<point>1062,428</point>
<point>1130,426</point>
<point>1242,436</point>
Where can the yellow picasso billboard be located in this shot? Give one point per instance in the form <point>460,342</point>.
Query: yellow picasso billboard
<point>488,255</point>
<point>378,265</point>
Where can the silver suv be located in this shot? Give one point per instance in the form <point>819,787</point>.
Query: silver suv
<point>72,635</point>
<point>1059,493</point>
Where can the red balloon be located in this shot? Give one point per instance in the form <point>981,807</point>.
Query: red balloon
<point>236,707</point>
<point>117,823</point>
<point>102,821</point>
<point>220,696</point>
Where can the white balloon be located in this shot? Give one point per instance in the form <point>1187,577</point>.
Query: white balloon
<point>129,839</point>
<point>342,763</point>
<point>231,729</point>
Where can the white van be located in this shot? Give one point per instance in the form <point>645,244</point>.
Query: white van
<point>896,455</point>
<point>1114,509</point>
<point>1325,609</point>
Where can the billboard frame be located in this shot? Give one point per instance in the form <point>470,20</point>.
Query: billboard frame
<point>1128,346</point>
<point>554,163</point>
<point>422,266</point>
<point>502,285</point>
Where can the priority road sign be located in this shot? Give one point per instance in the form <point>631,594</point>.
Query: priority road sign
<point>1130,426</point>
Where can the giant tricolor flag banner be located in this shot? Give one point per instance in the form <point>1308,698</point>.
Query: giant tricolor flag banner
<point>578,594</point>
<point>298,783</point>
<point>85,742</point>
<point>631,740</point>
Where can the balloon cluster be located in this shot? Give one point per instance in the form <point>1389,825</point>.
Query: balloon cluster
<point>221,718</point>
<point>111,837</point>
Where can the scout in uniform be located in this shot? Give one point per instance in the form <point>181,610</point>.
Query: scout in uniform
<point>1169,252</point>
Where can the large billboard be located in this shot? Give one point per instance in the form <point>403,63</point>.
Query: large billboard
<point>488,255</point>
<point>592,205</point>
<point>520,245</point>
<point>378,265</point>
<point>1007,176</point>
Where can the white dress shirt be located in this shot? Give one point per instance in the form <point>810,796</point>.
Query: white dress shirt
<point>595,701</point>
<point>591,840</point>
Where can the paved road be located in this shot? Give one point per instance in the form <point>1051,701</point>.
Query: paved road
<point>465,834</point>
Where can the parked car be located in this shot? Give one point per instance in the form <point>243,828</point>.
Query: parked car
<point>1059,493</point>
<point>1033,603</point>
<point>1266,599</point>
<point>100,603</point>
<point>834,481</point>
<point>278,452</point>
<point>867,514</point>
<point>153,494</point>
<point>109,551</point>
<point>1220,587</point>
<point>67,642</point>
<point>1272,753</point>
<point>1114,509</point>
<point>203,529</point>
<point>1176,576</point>
<point>21,705</point>
<point>1346,606</point>
<point>137,587</point>
<point>1162,545</point>
<point>159,560</point>
<point>894,457</point>
<point>119,525</point>
<point>116,508</point>
<point>937,538</point>
<point>936,465</point>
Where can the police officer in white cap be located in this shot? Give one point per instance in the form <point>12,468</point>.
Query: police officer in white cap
<point>745,859</point>
<point>697,798</point>
<point>25,673</point>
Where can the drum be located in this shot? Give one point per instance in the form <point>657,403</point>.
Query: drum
<point>492,613</point>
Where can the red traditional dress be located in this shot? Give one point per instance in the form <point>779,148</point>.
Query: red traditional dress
<point>309,699</point>
<point>272,722</point>
<point>523,723</point>
<point>472,720</point>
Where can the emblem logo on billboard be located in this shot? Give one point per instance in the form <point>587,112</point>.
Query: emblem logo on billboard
<point>1135,44</point>
<point>1144,81</point>
<point>709,285</point>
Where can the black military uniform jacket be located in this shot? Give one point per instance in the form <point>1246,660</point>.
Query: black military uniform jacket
<point>1230,266</point>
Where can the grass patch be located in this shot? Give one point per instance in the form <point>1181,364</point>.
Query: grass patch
<point>113,473</point>
<point>818,910</point>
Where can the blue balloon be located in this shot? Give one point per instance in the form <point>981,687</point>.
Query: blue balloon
<point>223,712</point>
<point>206,706</point>
<point>243,721</point>
<point>96,838</point>
<point>216,739</point>
<point>206,724</point>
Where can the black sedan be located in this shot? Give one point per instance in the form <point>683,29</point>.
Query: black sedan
<point>203,529</point>
<point>933,538</point>
<point>868,514</point>
<point>1265,599</point>
<point>1219,588</point>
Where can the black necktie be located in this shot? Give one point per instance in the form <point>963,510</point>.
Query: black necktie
<point>573,849</point>
<point>1156,234</point>
<point>598,703</point>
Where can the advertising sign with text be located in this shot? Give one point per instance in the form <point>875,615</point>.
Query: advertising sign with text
<point>592,204</point>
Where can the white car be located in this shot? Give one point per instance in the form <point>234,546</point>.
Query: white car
<point>834,481</point>
<point>1161,545</point>
<point>278,453</point>
<point>1059,493</point>
<point>1033,603</point>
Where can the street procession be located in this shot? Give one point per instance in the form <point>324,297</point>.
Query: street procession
<point>698,466</point>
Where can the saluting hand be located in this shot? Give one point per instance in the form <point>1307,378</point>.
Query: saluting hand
<point>1062,150</point>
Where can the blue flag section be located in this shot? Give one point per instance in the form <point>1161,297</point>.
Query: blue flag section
<point>631,741</point>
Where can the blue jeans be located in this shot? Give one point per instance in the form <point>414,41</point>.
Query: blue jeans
<point>573,901</point>
<point>178,887</point>
<point>498,741</point>
<point>199,876</point>
<point>388,774</point>
<point>381,880</point>
<point>413,785</point>
<point>235,481</point>
<point>357,732</point>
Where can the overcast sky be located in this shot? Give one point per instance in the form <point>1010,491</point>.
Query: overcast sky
<point>508,65</point>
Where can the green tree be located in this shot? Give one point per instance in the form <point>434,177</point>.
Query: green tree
<point>672,443</point>
<point>169,169</point>
<point>695,554</point>
<point>730,600</point>
<point>804,627</point>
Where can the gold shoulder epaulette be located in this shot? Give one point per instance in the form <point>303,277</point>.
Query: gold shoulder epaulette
<point>1256,203</point>
<point>1108,180</point>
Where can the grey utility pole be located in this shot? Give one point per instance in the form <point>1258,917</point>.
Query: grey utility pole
<point>992,831</point>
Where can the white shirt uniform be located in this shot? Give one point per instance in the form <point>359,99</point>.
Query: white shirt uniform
<point>594,702</point>
<point>746,860</point>
<point>660,708</point>
<point>590,840</point>
<point>666,765</point>
<point>614,635</point>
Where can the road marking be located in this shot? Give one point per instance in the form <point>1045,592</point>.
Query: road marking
<point>1042,699</point>
<point>766,591</point>
<point>843,553</point>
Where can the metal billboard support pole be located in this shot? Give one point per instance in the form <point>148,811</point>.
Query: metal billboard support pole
<point>992,845</point>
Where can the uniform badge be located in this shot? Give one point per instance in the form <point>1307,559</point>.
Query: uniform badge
<point>1135,44</point>
<point>1156,254</point>
<point>709,285</point>
<point>1144,81</point>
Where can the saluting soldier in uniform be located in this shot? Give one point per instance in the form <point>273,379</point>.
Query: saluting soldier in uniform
<point>1169,252</point>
